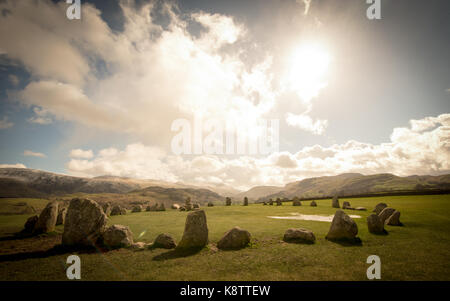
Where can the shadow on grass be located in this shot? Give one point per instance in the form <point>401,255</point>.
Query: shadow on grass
<point>177,253</point>
<point>56,250</point>
<point>355,242</point>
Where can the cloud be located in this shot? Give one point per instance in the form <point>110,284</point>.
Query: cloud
<point>81,154</point>
<point>17,165</point>
<point>213,73</point>
<point>29,153</point>
<point>408,152</point>
<point>4,123</point>
<point>13,79</point>
<point>306,123</point>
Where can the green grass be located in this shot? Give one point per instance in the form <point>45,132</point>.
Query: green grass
<point>418,251</point>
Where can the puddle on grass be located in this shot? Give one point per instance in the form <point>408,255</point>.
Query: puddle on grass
<point>307,217</point>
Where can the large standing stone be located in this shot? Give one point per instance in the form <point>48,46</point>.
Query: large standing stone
<point>245,201</point>
<point>30,224</point>
<point>164,241</point>
<point>271,202</point>
<point>195,231</point>
<point>343,227</point>
<point>47,219</point>
<point>299,236</point>
<point>379,207</point>
<point>234,239</point>
<point>296,202</point>
<point>386,213</point>
<point>394,219</point>
<point>313,204</point>
<point>85,223</point>
<point>375,225</point>
<point>210,204</point>
<point>61,216</point>
<point>118,236</point>
<point>228,201</point>
<point>335,202</point>
<point>107,209</point>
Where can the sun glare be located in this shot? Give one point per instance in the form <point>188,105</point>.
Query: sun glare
<point>309,68</point>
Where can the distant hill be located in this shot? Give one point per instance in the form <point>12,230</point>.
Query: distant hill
<point>259,191</point>
<point>353,184</point>
<point>179,195</point>
<point>24,182</point>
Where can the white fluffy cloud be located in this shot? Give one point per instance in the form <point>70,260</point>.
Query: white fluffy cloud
<point>81,154</point>
<point>17,165</point>
<point>412,150</point>
<point>29,153</point>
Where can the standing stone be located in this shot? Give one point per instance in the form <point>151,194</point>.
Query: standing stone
<point>161,207</point>
<point>47,219</point>
<point>123,211</point>
<point>279,202</point>
<point>296,203</point>
<point>394,219</point>
<point>346,205</point>
<point>245,201</point>
<point>313,204</point>
<point>85,223</point>
<point>137,208</point>
<point>196,206</point>
<point>234,239</point>
<point>335,202</point>
<point>175,206</point>
<point>107,209</point>
<point>375,225</point>
<point>30,224</point>
<point>118,236</point>
<point>299,236</point>
<point>195,231</point>
<point>182,208</point>
<point>343,227</point>
<point>117,210</point>
<point>386,213</point>
<point>164,241</point>
<point>188,204</point>
<point>210,204</point>
<point>271,202</point>
<point>265,203</point>
<point>61,216</point>
<point>228,201</point>
<point>379,207</point>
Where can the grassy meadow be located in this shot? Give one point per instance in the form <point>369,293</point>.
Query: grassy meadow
<point>420,250</point>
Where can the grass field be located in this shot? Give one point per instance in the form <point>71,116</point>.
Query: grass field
<point>420,250</point>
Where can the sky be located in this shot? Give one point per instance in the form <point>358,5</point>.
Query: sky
<point>100,95</point>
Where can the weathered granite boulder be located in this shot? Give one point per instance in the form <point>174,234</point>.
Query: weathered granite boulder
<point>182,208</point>
<point>118,236</point>
<point>137,208</point>
<point>195,231</point>
<point>245,201</point>
<point>279,203</point>
<point>343,227</point>
<point>296,203</point>
<point>196,206</point>
<point>118,210</point>
<point>313,204</point>
<point>47,219</point>
<point>394,219</point>
<point>164,241</point>
<point>299,235</point>
<point>234,239</point>
<point>386,213</point>
<point>210,204</point>
<point>379,207</point>
<point>228,201</point>
<point>85,223</point>
<point>375,225</point>
<point>346,205</point>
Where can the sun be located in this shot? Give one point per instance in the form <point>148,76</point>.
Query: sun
<point>309,69</point>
